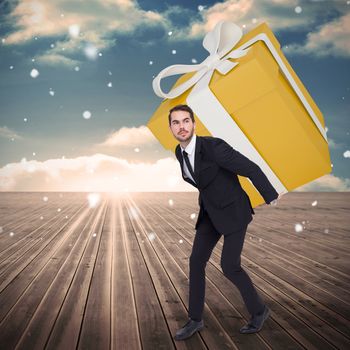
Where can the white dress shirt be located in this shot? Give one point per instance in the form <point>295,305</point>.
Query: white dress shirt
<point>190,150</point>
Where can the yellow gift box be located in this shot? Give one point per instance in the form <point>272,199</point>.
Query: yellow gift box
<point>249,95</point>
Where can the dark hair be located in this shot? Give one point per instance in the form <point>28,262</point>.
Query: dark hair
<point>181,108</point>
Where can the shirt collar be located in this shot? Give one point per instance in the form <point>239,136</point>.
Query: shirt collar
<point>190,148</point>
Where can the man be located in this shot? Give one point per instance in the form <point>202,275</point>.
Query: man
<point>212,165</point>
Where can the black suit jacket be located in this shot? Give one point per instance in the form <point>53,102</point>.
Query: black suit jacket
<point>216,168</point>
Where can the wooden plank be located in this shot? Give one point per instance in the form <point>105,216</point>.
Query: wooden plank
<point>62,287</point>
<point>42,272</point>
<point>124,326</point>
<point>152,326</point>
<point>162,273</point>
<point>66,330</point>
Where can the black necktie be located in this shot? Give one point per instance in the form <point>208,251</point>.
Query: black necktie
<point>189,167</point>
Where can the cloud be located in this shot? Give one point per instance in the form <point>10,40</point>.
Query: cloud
<point>128,137</point>
<point>98,172</point>
<point>330,39</point>
<point>279,15</point>
<point>326,183</point>
<point>8,133</point>
<point>95,23</point>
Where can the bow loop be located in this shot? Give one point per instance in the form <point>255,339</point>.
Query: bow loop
<point>218,43</point>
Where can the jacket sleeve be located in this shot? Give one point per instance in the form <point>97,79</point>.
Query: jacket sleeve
<point>234,161</point>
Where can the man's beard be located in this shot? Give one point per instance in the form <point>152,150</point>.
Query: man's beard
<point>188,137</point>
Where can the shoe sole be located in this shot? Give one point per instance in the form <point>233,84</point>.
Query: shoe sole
<point>197,330</point>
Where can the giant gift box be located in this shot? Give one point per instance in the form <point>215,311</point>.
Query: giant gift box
<point>246,93</point>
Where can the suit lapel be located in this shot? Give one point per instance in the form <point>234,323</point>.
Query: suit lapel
<point>196,162</point>
<point>197,157</point>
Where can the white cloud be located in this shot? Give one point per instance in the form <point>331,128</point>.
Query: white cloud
<point>97,20</point>
<point>98,172</point>
<point>8,133</point>
<point>330,39</point>
<point>128,137</point>
<point>279,14</point>
<point>326,183</point>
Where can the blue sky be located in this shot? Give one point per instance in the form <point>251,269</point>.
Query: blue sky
<point>101,56</point>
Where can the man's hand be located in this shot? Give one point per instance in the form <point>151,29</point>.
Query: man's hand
<point>274,202</point>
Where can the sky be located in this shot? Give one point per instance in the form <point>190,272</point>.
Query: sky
<point>76,85</point>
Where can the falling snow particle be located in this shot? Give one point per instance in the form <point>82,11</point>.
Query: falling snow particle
<point>298,227</point>
<point>90,51</point>
<point>94,235</point>
<point>193,216</point>
<point>87,114</point>
<point>260,240</point>
<point>25,119</point>
<point>326,230</point>
<point>51,92</point>
<point>180,241</point>
<point>171,202</point>
<point>151,236</point>
<point>34,73</point>
<point>109,84</point>
<point>74,30</point>
<point>11,234</point>
<point>77,69</point>
<point>200,8</point>
<point>243,26</point>
<point>346,154</point>
<point>298,9</point>
<point>314,203</point>
<point>3,40</point>
<point>150,63</point>
<point>41,217</point>
<point>173,52</point>
<point>1,230</point>
<point>52,46</point>
<point>254,20</point>
<point>193,60</point>
<point>137,150</point>
<point>34,154</point>
<point>11,67</point>
<point>66,216</point>
<point>59,209</point>
<point>45,199</point>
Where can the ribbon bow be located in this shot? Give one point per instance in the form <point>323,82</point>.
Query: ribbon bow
<point>218,43</point>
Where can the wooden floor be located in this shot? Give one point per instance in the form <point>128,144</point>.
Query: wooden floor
<point>115,276</point>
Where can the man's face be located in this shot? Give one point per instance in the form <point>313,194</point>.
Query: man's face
<point>181,125</point>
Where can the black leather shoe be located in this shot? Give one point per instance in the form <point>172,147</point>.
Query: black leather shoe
<point>256,322</point>
<point>189,329</point>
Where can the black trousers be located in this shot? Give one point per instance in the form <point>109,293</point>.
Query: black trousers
<point>204,242</point>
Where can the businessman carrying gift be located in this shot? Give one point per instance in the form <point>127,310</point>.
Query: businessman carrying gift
<point>212,165</point>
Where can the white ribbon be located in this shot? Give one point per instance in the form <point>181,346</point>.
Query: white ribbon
<point>218,43</point>
<point>216,119</point>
